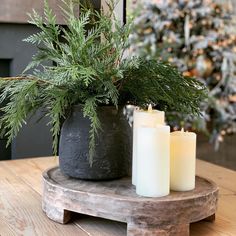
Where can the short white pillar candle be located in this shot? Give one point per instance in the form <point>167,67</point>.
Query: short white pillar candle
<point>183,160</point>
<point>153,161</point>
<point>149,118</point>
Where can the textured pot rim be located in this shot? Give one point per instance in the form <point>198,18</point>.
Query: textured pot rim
<point>79,106</point>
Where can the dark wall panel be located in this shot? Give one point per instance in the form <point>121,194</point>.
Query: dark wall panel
<point>5,152</point>
<point>34,139</point>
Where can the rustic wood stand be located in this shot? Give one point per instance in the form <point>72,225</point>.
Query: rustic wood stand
<point>117,200</point>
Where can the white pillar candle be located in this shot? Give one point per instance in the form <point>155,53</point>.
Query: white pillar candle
<point>153,161</point>
<point>183,160</point>
<point>149,118</point>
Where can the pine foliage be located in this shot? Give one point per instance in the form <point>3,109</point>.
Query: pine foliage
<point>152,82</point>
<point>89,68</point>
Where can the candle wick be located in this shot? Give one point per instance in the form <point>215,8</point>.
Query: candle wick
<point>150,108</point>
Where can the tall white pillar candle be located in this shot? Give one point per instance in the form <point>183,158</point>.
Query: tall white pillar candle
<point>148,118</point>
<point>153,161</point>
<point>183,160</point>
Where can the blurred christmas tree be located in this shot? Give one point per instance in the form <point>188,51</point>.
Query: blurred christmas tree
<point>199,37</point>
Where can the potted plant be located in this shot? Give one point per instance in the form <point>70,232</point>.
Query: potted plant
<point>85,89</point>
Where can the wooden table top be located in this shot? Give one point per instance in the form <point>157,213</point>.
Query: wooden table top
<point>21,213</point>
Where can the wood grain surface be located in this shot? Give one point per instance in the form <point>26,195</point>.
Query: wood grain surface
<point>21,214</point>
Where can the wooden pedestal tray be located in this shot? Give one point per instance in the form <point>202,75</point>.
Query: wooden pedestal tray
<point>117,200</point>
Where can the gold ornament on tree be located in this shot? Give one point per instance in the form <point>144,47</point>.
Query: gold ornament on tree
<point>204,66</point>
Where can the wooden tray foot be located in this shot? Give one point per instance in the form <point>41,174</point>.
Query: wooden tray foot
<point>167,230</point>
<point>210,218</point>
<point>56,214</point>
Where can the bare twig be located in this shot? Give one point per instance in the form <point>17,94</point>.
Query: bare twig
<point>31,78</point>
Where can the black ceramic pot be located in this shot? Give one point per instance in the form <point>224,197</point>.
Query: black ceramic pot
<point>112,157</point>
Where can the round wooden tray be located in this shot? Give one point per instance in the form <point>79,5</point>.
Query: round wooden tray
<point>117,200</point>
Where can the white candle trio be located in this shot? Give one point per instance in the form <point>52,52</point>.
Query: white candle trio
<point>161,160</point>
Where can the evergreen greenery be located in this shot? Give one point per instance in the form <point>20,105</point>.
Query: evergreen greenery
<point>89,67</point>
